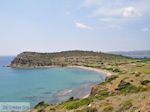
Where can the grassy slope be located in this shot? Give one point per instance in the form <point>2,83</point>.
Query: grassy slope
<point>130,96</point>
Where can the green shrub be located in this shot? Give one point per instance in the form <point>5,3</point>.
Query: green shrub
<point>53,109</point>
<point>116,70</point>
<point>108,109</point>
<point>104,93</point>
<point>138,74</point>
<point>41,104</point>
<point>71,98</point>
<point>126,105</point>
<point>123,85</point>
<point>145,82</point>
<point>102,83</point>
<point>134,108</point>
<point>91,109</point>
<point>126,87</point>
<point>113,77</point>
<point>131,80</point>
<point>78,103</point>
<point>111,69</point>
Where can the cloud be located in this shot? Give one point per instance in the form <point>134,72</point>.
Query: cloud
<point>120,10</point>
<point>131,12</point>
<point>79,25</point>
<point>145,29</point>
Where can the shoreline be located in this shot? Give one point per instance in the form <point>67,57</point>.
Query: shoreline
<point>55,66</point>
<point>92,69</point>
<point>108,74</point>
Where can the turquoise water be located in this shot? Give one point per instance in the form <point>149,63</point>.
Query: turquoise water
<point>34,85</point>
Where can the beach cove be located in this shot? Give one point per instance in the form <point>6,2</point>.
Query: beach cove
<point>52,85</point>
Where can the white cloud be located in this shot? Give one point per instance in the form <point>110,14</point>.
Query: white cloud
<point>120,10</point>
<point>131,12</point>
<point>145,29</point>
<point>79,25</point>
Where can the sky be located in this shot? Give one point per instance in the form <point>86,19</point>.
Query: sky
<point>60,25</point>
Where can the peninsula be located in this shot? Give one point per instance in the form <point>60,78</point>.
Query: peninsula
<point>126,90</point>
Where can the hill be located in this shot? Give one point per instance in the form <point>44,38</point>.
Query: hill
<point>81,58</point>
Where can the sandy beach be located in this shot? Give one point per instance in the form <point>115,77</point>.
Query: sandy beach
<point>92,69</point>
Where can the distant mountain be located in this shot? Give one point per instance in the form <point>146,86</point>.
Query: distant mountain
<point>132,53</point>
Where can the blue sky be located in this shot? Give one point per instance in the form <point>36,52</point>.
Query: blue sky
<point>58,25</point>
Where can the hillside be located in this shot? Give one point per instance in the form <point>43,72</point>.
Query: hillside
<point>33,59</point>
<point>127,90</point>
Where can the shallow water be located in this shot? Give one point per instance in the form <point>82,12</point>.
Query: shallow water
<point>44,84</point>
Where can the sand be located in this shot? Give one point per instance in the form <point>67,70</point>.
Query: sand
<point>93,69</point>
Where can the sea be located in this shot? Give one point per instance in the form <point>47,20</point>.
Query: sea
<point>51,85</point>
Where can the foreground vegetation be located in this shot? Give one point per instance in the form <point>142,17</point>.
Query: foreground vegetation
<point>127,90</point>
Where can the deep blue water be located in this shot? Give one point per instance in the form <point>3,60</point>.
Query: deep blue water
<point>34,85</point>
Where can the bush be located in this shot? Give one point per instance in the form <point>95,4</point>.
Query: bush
<point>53,109</point>
<point>138,74</point>
<point>126,105</point>
<point>123,85</point>
<point>126,87</point>
<point>145,82</point>
<point>91,109</point>
<point>131,80</point>
<point>104,93</point>
<point>134,108</point>
<point>111,69</point>
<point>108,109</point>
<point>116,70</point>
<point>41,104</point>
<point>78,103</point>
<point>71,98</point>
<point>113,77</point>
<point>102,83</point>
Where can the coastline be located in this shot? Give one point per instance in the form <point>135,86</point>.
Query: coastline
<point>53,66</point>
<point>108,74</point>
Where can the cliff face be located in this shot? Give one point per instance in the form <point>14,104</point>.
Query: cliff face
<point>33,59</point>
